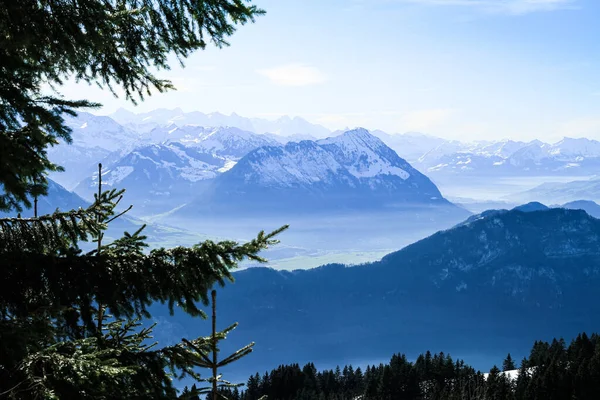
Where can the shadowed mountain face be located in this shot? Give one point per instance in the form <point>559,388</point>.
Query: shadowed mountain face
<point>58,198</point>
<point>516,275</point>
<point>355,170</point>
<point>590,207</point>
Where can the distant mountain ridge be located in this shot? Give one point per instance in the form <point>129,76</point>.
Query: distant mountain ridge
<point>102,139</point>
<point>507,158</point>
<point>590,207</point>
<point>284,126</point>
<point>555,192</point>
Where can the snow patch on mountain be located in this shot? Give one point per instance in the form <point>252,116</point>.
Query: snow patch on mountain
<point>361,152</point>
<point>296,163</point>
<point>111,177</point>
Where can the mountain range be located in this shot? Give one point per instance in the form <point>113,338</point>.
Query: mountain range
<point>514,276</point>
<point>169,166</point>
<point>199,160</point>
<point>284,126</point>
<point>354,170</point>
<point>576,157</point>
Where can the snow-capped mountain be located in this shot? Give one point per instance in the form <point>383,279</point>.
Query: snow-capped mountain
<point>94,139</point>
<point>284,126</point>
<point>157,177</point>
<point>507,158</point>
<point>529,155</point>
<point>432,157</point>
<point>503,148</point>
<point>570,148</point>
<point>79,162</point>
<point>355,170</point>
<point>228,142</point>
<point>91,131</point>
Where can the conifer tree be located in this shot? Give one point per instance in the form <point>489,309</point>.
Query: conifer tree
<point>508,364</point>
<point>212,362</point>
<point>523,380</point>
<point>70,321</point>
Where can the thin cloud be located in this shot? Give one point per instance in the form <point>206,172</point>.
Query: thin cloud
<point>294,75</point>
<point>425,119</point>
<point>515,7</point>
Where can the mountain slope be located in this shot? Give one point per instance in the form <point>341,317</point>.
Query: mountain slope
<point>58,198</point>
<point>354,170</point>
<point>554,192</point>
<point>515,254</point>
<point>230,143</point>
<point>157,177</point>
<point>511,276</point>
<point>590,207</point>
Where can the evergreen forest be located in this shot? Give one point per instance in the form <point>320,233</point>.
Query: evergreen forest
<point>553,371</point>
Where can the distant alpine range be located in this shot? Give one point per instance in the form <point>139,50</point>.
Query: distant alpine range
<point>195,162</point>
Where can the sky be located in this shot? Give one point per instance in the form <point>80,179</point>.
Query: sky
<point>458,69</point>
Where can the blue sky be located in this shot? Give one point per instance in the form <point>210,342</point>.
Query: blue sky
<point>460,69</point>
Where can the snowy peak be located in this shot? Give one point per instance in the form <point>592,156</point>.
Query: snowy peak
<point>507,157</point>
<point>356,153</point>
<point>228,142</point>
<point>354,165</point>
<point>581,147</point>
<point>354,139</point>
<point>503,148</point>
<point>91,131</point>
<point>365,155</point>
<point>534,152</point>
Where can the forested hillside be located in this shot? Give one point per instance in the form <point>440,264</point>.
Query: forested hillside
<point>553,371</point>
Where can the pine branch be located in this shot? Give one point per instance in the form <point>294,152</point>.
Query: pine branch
<point>60,231</point>
<point>121,277</point>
